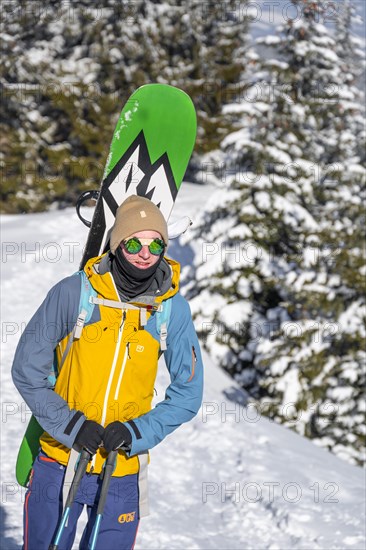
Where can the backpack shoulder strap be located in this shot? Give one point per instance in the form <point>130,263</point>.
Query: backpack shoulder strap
<point>162,321</point>
<point>86,306</point>
<point>85,310</point>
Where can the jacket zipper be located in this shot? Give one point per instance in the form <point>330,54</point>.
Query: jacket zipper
<point>194,361</point>
<point>111,374</point>
<point>113,368</point>
<point>125,357</point>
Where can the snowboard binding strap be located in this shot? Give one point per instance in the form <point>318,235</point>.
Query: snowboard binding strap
<point>86,196</point>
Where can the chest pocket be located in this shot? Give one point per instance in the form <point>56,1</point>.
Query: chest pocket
<point>139,369</point>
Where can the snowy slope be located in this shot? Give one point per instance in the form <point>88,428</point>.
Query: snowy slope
<point>230,479</point>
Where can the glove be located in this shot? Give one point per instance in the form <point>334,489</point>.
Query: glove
<point>117,436</point>
<point>89,437</point>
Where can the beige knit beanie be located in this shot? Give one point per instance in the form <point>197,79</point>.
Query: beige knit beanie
<point>137,214</point>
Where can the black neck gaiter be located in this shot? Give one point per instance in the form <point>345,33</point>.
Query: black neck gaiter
<point>132,281</point>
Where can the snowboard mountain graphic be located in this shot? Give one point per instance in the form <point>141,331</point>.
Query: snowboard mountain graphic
<point>134,174</point>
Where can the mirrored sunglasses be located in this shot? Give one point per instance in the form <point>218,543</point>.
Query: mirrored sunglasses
<point>134,245</point>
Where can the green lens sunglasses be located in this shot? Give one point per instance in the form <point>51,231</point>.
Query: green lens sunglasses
<point>134,245</point>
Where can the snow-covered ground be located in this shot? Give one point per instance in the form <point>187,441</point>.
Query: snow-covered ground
<point>230,479</point>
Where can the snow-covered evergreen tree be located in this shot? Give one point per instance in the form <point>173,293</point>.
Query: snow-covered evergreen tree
<point>348,46</point>
<point>280,291</point>
<point>71,66</point>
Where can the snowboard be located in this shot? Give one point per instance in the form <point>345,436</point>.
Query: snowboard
<point>151,146</point>
<point>148,156</point>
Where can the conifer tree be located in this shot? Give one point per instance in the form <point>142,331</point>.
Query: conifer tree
<point>279,294</point>
<point>79,62</point>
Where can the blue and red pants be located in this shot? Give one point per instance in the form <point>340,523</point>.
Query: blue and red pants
<point>43,509</point>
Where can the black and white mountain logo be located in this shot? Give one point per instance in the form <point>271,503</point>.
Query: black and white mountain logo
<point>135,175</point>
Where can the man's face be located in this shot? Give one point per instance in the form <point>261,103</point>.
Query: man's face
<point>144,258</point>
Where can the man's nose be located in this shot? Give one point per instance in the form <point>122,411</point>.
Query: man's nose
<point>144,252</point>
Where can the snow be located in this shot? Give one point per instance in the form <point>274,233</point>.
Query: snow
<point>351,319</point>
<point>230,479</point>
<point>291,388</point>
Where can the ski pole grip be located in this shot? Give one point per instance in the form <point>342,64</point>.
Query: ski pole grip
<point>82,464</point>
<point>109,467</point>
<point>84,459</point>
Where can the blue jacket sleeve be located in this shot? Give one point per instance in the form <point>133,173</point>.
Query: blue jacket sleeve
<point>183,396</point>
<point>34,358</point>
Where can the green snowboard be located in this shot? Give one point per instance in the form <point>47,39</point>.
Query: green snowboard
<point>28,451</point>
<point>151,146</point>
<point>150,150</point>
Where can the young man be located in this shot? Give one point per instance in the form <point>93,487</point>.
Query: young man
<point>102,397</point>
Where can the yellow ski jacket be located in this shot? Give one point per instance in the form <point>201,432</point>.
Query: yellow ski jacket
<point>109,372</point>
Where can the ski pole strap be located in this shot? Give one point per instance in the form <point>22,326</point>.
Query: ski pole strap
<point>143,484</point>
<point>79,473</point>
<point>70,472</point>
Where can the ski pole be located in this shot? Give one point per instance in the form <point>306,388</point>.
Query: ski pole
<point>108,471</point>
<point>79,472</point>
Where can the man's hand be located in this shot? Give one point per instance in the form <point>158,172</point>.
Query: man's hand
<point>89,437</point>
<point>116,436</point>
